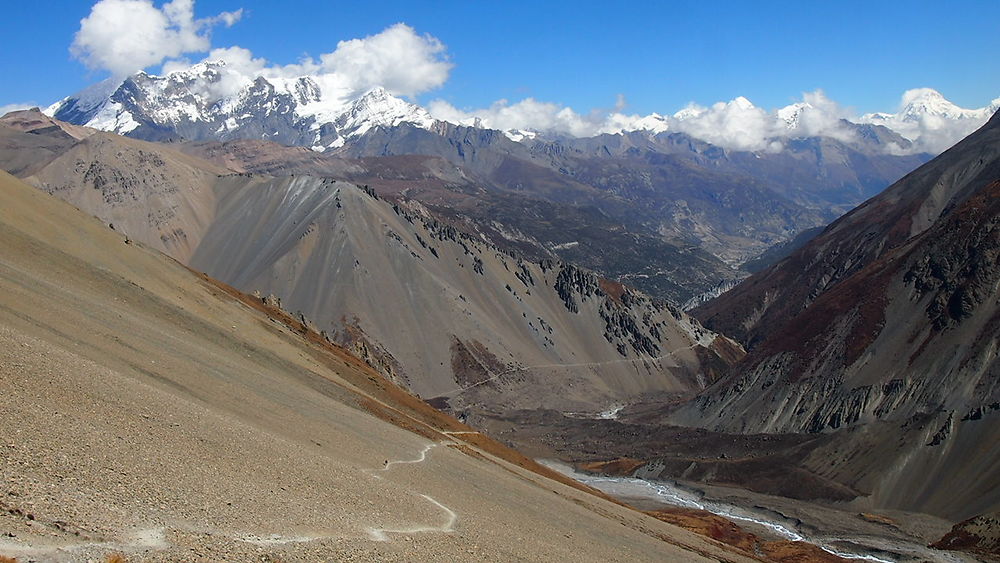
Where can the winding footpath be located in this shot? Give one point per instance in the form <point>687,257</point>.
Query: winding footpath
<point>379,534</point>
<point>155,539</point>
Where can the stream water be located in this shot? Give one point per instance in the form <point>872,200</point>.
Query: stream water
<point>861,547</point>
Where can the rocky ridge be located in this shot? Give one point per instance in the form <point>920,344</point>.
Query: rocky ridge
<point>886,320</point>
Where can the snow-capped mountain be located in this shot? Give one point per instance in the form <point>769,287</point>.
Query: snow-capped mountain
<point>790,114</point>
<point>207,101</point>
<point>932,121</point>
<point>212,100</point>
<point>921,103</point>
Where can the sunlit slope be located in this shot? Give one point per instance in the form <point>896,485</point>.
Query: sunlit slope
<point>150,411</point>
<point>447,313</point>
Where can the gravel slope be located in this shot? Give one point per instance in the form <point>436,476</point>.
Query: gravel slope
<point>146,411</point>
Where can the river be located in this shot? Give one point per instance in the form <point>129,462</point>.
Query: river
<point>860,547</point>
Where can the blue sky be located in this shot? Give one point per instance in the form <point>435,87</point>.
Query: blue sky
<point>659,55</point>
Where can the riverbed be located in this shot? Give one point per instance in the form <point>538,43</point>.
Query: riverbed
<point>861,542</point>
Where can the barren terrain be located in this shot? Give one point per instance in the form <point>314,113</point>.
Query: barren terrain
<point>152,412</point>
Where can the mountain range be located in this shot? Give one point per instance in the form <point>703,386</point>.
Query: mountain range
<point>870,381</point>
<point>214,100</point>
<point>655,206</point>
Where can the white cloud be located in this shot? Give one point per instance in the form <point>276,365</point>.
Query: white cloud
<point>532,115</point>
<point>240,70</point>
<point>526,114</point>
<point>7,108</point>
<point>125,36</point>
<point>737,124</point>
<point>398,59</point>
<point>821,116</point>
<point>740,125</point>
<point>928,120</point>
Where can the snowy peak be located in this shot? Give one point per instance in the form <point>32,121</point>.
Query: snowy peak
<point>378,108</point>
<point>921,102</point>
<point>790,114</point>
<point>930,120</point>
<point>690,112</point>
<point>695,111</point>
<point>211,101</point>
<point>653,123</point>
<point>214,100</point>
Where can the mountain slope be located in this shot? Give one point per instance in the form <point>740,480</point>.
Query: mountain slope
<point>430,296</point>
<point>522,205</point>
<point>156,195</point>
<point>429,300</point>
<point>755,308</point>
<point>885,329</point>
<point>820,173</point>
<point>153,412</point>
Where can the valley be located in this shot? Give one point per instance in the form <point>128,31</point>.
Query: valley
<point>271,315</point>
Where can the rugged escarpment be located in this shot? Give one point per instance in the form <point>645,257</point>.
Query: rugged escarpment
<point>883,329</point>
<point>763,303</point>
<point>979,535</point>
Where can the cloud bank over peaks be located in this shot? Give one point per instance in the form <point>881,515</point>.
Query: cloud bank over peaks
<point>925,117</point>
<point>397,59</point>
<point>16,106</point>
<point>531,115</point>
<point>126,36</point>
<point>737,124</point>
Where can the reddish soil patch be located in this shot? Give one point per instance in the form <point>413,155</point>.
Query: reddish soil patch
<point>979,535</point>
<point>725,531</point>
<point>396,418</point>
<point>473,363</point>
<point>399,407</point>
<point>615,467</point>
<point>708,524</point>
<point>877,519</point>
<point>718,358</point>
<point>392,403</point>
<point>468,451</point>
<point>797,552</point>
<point>614,289</point>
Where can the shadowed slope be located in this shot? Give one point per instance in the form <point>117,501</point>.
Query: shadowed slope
<point>885,327</point>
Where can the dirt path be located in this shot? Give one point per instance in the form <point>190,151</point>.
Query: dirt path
<point>380,534</point>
